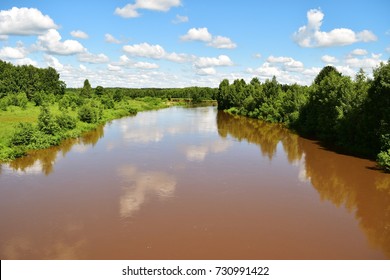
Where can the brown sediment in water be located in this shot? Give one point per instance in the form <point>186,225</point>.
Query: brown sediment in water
<point>193,184</point>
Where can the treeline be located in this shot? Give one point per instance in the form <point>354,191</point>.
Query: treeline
<point>37,111</point>
<point>19,84</point>
<point>348,114</point>
<point>194,94</point>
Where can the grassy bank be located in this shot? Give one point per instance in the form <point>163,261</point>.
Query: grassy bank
<point>38,127</point>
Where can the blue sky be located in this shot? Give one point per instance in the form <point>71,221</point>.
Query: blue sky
<point>178,43</point>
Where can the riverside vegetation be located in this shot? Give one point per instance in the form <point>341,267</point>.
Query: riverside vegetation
<point>38,111</point>
<point>352,116</point>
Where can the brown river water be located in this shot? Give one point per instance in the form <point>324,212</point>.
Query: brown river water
<point>193,184</point>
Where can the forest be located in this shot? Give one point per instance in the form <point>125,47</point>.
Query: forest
<point>348,115</point>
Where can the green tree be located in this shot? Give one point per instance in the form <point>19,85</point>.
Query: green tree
<point>86,91</point>
<point>99,90</point>
<point>46,121</point>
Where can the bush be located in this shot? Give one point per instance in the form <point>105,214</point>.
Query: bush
<point>66,122</point>
<point>383,160</point>
<point>89,114</point>
<point>23,134</point>
<point>46,122</point>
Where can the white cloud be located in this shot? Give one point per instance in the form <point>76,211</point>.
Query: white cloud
<point>221,42</point>
<point>206,71</point>
<point>83,68</point>
<point>197,34</point>
<point>145,65</point>
<point>131,10</point>
<point>310,35</point>
<point>203,35</point>
<point>51,43</point>
<point>205,62</point>
<point>288,62</point>
<point>126,62</point>
<point>3,37</point>
<point>145,50</point>
<point>25,61</point>
<point>111,39</point>
<point>155,52</point>
<point>359,52</point>
<point>24,21</point>
<point>93,58</point>
<point>79,34</point>
<point>364,62</point>
<point>265,70</point>
<point>13,53</point>
<point>179,58</point>
<point>53,62</point>
<point>329,59</point>
<point>180,19</point>
<point>111,67</point>
<point>388,49</point>
<point>257,55</point>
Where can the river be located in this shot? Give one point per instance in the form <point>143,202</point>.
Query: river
<point>195,183</point>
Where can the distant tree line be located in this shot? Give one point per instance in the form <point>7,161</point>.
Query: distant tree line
<point>19,84</point>
<point>348,114</point>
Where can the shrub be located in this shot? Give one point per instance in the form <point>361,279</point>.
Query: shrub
<point>23,134</point>
<point>383,160</point>
<point>46,122</point>
<point>66,122</point>
<point>89,114</point>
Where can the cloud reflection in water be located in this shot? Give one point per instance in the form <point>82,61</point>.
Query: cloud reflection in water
<point>139,184</point>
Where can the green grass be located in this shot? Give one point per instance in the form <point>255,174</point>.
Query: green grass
<point>10,118</point>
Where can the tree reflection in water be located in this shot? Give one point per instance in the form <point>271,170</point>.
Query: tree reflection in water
<point>337,178</point>
<point>42,161</point>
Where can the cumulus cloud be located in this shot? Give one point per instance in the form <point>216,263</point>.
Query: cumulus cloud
<point>364,62</point>
<point>145,50</point>
<point>203,35</point>
<point>155,52</point>
<point>111,39</point>
<point>79,34</point>
<point>51,43</point>
<point>221,42</point>
<point>3,37</point>
<point>24,21</point>
<point>205,62</point>
<point>310,35</point>
<point>197,34</point>
<point>115,68</point>
<point>145,65</point>
<point>180,19</point>
<point>131,10</point>
<point>206,71</point>
<point>287,62</point>
<point>25,61</point>
<point>93,58</point>
<point>126,62</point>
<point>53,62</point>
<point>12,53</point>
<point>359,52</point>
<point>329,59</point>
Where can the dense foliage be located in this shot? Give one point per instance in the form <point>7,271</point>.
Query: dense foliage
<point>37,111</point>
<point>353,115</point>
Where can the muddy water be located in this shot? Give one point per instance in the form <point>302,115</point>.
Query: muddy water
<point>193,184</point>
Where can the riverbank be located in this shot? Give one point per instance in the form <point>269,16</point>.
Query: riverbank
<point>22,130</point>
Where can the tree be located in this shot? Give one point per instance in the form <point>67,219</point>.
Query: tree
<point>46,122</point>
<point>86,91</point>
<point>99,90</point>
<point>326,71</point>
